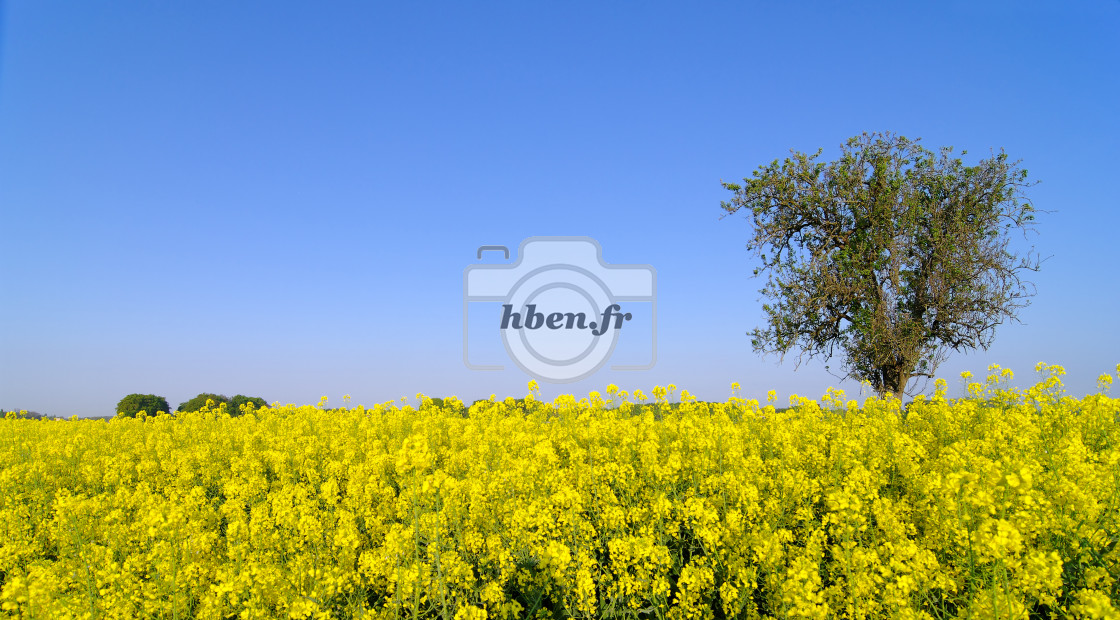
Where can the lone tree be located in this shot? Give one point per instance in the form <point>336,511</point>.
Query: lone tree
<point>891,255</point>
<point>133,404</point>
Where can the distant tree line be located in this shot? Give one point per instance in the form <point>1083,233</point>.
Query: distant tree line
<point>235,403</point>
<point>21,413</point>
<point>130,406</point>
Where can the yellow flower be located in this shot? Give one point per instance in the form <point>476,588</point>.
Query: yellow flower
<point>693,511</point>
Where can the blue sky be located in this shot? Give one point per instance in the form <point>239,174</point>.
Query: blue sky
<point>279,199</point>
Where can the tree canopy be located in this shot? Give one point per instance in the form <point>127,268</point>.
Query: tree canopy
<point>240,400</point>
<point>198,402</point>
<point>150,404</point>
<point>892,255</point>
<point>233,405</point>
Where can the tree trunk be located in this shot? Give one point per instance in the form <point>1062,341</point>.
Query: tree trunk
<point>894,381</point>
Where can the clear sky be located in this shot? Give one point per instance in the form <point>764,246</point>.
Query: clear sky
<point>279,199</point>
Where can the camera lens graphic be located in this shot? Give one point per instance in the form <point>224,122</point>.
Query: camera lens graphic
<point>571,351</point>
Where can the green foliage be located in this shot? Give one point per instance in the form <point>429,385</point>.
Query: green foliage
<point>233,405</point>
<point>198,402</point>
<point>239,400</point>
<point>891,256</point>
<point>133,404</point>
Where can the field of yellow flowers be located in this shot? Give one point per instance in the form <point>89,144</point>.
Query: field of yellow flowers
<point>1005,503</point>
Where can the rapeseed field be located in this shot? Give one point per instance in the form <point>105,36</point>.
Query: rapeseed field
<point>1004,503</point>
